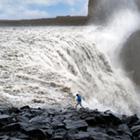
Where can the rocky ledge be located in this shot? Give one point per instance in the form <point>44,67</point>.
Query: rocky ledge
<point>66,124</point>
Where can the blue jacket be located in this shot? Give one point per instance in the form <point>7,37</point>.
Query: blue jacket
<point>79,98</point>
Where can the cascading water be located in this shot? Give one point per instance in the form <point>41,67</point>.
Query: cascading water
<point>45,66</point>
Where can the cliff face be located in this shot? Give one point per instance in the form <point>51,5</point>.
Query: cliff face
<point>138,4</point>
<point>91,8</point>
<point>130,55</point>
<point>99,11</point>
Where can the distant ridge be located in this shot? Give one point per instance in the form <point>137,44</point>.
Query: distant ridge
<point>68,20</point>
<point>60,20</point>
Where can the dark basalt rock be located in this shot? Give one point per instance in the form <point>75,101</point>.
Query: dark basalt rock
<point>91,121</point>
<point>25,108</point>
<point>131,120</point>
<point>129,55</point>
<point>60,134</point>
<point>81,136</point>
<point>14,110</point>
<point>79,124</point>
<point>136,130</point>
<point>123,129</point>
<point>5,118</point>
<point>100,136</point>
<point>36,133</point>
<point>11,127</point>
<point>68,124</point>
<point>57,124</point>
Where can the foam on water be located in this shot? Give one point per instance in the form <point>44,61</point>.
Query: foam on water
<point>46,66</point>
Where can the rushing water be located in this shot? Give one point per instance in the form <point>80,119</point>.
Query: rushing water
<point>46,66</point>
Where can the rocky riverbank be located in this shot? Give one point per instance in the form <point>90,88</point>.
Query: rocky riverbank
<point>66,124</point>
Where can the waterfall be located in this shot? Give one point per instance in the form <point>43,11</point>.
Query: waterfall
<point>45,66</point>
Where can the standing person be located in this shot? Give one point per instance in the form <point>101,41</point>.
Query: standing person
<point>79,100</point>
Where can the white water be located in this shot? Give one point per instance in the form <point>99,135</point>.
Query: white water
<point>38,63</point>
<point>46,66</point>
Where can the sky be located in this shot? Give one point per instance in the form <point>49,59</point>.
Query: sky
<point>31,9</point>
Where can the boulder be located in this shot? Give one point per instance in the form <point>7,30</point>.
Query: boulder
<point>111,119</point>
<point>49,132</point>
<point>25,108</point>
<point>131,120</point>
<point>60,134</point>
<point>11,127</point>
<point>4,137</point>
<point>91,121</point>
<point>79,124</point>
<point>136,130</point>
<point>111,132</point>
<point>81,136</point>
<point>100,136</point>
<point>5,119</point>
<point>13,110</point>
<point>57,124</point>
<point>124,129</point>
<point>36,133</point>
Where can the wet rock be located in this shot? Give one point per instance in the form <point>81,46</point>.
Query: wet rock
<point>18,136</point>
<point>67,124</point>
<point>91,121</point>
<point>79,124</point>
<point>103,119</point>
<point>123,137</point>
<point>111,132</point>
<point>137,122</point>
<point>49,132</point>
<point>22,118</point>
<point>100,136</point>
<point>111,119</point>
<point>40,122</point>
<point>5,137</point>
<point>131,120</point>
<point>136,130</point>
<point>13,110</point>
<point>5,119</point>
<point>11,127</point>
<point>57,124</point>
<point>51,112</point>
<point>80,136</point>
<point>37,111</point>
<point>124,129</point>
<point>25,108</point>
<point>26,115</point>
<point>59,134</point>
<point>36,133</point>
